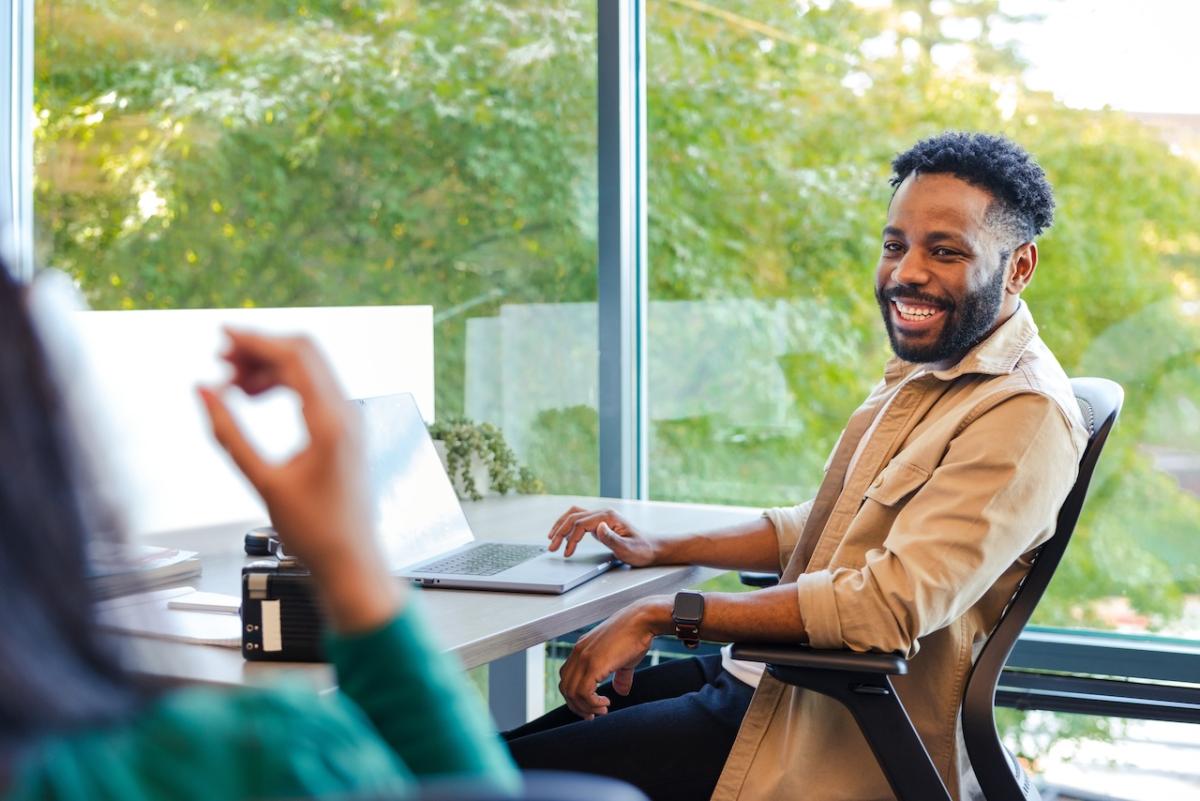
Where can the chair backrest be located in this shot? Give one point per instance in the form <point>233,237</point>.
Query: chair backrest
<point>1100,402</point>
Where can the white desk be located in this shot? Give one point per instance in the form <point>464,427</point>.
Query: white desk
<point>479,627</point>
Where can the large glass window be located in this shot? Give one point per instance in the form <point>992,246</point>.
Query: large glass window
<point>771,129</point>
<point>194,154</point>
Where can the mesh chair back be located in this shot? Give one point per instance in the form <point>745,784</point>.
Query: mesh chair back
<point>1100,402</point>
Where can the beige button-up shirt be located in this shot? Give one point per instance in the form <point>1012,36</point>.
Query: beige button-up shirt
<point>916,551</point>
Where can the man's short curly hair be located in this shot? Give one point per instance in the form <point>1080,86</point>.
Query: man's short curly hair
<point>993,163</point>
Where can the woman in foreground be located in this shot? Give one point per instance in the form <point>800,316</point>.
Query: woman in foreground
<point>76,724</point>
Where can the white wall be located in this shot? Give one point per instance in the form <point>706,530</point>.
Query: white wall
<point>145,366</point>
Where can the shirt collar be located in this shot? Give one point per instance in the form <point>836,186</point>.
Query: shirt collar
<point>996,355</point>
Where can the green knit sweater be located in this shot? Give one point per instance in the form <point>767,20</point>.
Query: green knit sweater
<point>403,710</point>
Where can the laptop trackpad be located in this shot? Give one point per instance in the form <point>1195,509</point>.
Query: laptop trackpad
<point>552,565</point>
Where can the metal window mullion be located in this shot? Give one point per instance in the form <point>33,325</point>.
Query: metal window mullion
<point>621,278</point>
<point>16,136</point>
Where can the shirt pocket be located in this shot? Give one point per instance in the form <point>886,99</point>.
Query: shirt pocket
<point>896,482</point>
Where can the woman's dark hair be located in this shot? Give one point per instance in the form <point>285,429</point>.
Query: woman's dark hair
<point>1024,199</point>
<point>55,671</point>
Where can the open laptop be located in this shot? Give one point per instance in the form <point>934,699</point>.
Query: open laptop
<point>422,528</point>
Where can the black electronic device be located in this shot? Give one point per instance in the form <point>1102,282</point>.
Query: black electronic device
<point>688,614</point>
<point>261,541</point>
<point>282,618</point>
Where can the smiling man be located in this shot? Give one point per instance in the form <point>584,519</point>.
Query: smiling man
<point>947,246</point>
<point>944,480</point>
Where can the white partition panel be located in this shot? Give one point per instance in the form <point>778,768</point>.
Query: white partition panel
<point>147,365</point>
<point>532,358</point>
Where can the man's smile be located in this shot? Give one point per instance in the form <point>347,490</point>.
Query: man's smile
<point>914,317</point>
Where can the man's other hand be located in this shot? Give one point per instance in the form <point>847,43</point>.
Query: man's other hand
<point>610,529</point>
<point>615,647</point>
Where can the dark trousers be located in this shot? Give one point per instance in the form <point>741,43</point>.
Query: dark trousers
<point>669,737</point>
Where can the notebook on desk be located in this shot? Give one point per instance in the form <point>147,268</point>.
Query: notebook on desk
<point>421,524</point>
<point>149,614</point>
<point>120,568</point>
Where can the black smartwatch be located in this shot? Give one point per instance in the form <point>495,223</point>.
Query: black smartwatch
<point>688,613</point>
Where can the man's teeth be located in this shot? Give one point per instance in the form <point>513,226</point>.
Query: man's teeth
<point>915,312</point>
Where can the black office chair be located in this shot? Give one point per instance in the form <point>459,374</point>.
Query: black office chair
<point>860,681</point>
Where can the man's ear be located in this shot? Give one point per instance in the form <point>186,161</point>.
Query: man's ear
<point>1021,266</point>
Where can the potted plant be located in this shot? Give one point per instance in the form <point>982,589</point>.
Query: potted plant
<point>478,460</point>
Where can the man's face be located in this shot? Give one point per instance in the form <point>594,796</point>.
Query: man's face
<point>940,281</point>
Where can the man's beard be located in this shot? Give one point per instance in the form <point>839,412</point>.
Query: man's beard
<point>966,323</point>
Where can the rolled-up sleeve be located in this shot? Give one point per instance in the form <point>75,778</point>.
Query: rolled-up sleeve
<point>996,491</point>
<point>788,522</point>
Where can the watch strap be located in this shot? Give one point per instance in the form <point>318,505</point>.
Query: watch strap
<point>688,634</point>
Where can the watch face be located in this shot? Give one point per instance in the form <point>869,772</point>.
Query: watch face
<point>689,606</point>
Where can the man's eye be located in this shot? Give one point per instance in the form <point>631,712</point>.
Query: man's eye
<point>944,252</point>
<point>892,247</point>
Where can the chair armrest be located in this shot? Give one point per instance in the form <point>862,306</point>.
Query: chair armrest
<point>862,683</point>
<point>752,579</point>
<point>802,656</point>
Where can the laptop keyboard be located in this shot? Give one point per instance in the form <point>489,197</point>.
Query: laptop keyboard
<point>485,559</point>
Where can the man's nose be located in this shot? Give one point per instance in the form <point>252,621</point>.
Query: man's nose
<point>910,270</point>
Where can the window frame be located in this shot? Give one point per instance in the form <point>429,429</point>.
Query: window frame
<point>16,138</point>
<point>621,267</point>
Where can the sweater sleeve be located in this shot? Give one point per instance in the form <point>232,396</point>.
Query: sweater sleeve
<point>419,701</point>
<point>200,743</point>
<point>404,709</point>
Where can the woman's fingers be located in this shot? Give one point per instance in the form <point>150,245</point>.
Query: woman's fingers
<point>227,432</point>
<point>261,363</point>
<point>257,360</point>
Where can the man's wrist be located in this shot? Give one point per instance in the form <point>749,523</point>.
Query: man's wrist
<point>667,551</point>
<point>654,614</point>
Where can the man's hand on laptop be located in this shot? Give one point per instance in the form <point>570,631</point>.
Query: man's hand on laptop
<point>610,529</point>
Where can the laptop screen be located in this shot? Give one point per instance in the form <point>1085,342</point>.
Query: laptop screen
<point>417,513</point>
